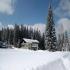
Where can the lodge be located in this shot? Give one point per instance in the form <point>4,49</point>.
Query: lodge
<point>30,44</point>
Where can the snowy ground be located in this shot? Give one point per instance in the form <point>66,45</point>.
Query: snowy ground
<point>19,59</point>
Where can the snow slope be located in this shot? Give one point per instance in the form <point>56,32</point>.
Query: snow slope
<point>19,59</point>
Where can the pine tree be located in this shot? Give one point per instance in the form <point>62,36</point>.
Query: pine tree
<point>7,34</point>
<point>10,39</point>
<point>31,33</point>
<point>42,42</point>
<point>60,41</point>
<point>66,45</point>
<point>22,31</point>
<point>0,35</point>
<point>61,38</point>
<point>50,36</point>
<point>16,35</point>
<point>3,34</point>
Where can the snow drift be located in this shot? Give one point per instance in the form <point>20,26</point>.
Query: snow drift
<point>19,59</point>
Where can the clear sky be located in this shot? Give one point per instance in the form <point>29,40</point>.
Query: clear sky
<point>25,11</point>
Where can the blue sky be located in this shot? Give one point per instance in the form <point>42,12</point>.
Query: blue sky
<point>34,13</point>
<point>28,12</point>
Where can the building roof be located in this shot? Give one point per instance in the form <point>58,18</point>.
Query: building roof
<point>30,40</point>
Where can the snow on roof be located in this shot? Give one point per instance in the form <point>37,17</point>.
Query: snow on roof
<point>30,40</point>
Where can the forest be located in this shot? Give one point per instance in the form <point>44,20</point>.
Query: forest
<point>15,36</point>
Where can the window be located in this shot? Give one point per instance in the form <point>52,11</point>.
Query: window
<point>34,45</point>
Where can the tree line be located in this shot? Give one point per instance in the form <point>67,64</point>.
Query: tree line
<point>16,35</point>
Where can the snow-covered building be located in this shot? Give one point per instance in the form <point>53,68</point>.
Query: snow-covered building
<point>30,44</point>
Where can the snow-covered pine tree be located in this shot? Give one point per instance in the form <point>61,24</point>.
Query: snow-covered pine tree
<point>61,38</point>
<point>60,41</point>
<point>66,45</point>
<point>50,36</point>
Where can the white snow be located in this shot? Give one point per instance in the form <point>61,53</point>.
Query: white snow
<point>21,59</point>
<point>30,40</point>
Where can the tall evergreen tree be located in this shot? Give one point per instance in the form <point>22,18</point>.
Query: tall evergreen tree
<point>42,42</point>
<point>30,33</point>
<point>3,34</point>
<point>11,35</point>
<point>66,45</point>
<point>50,36</point>
<point>16,35</point>
<point>7,34</point>
<point>0,35</point>
<point>22,31</point>
<point>60,41</point>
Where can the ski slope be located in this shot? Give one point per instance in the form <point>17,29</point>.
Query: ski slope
<point>21,59</point>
